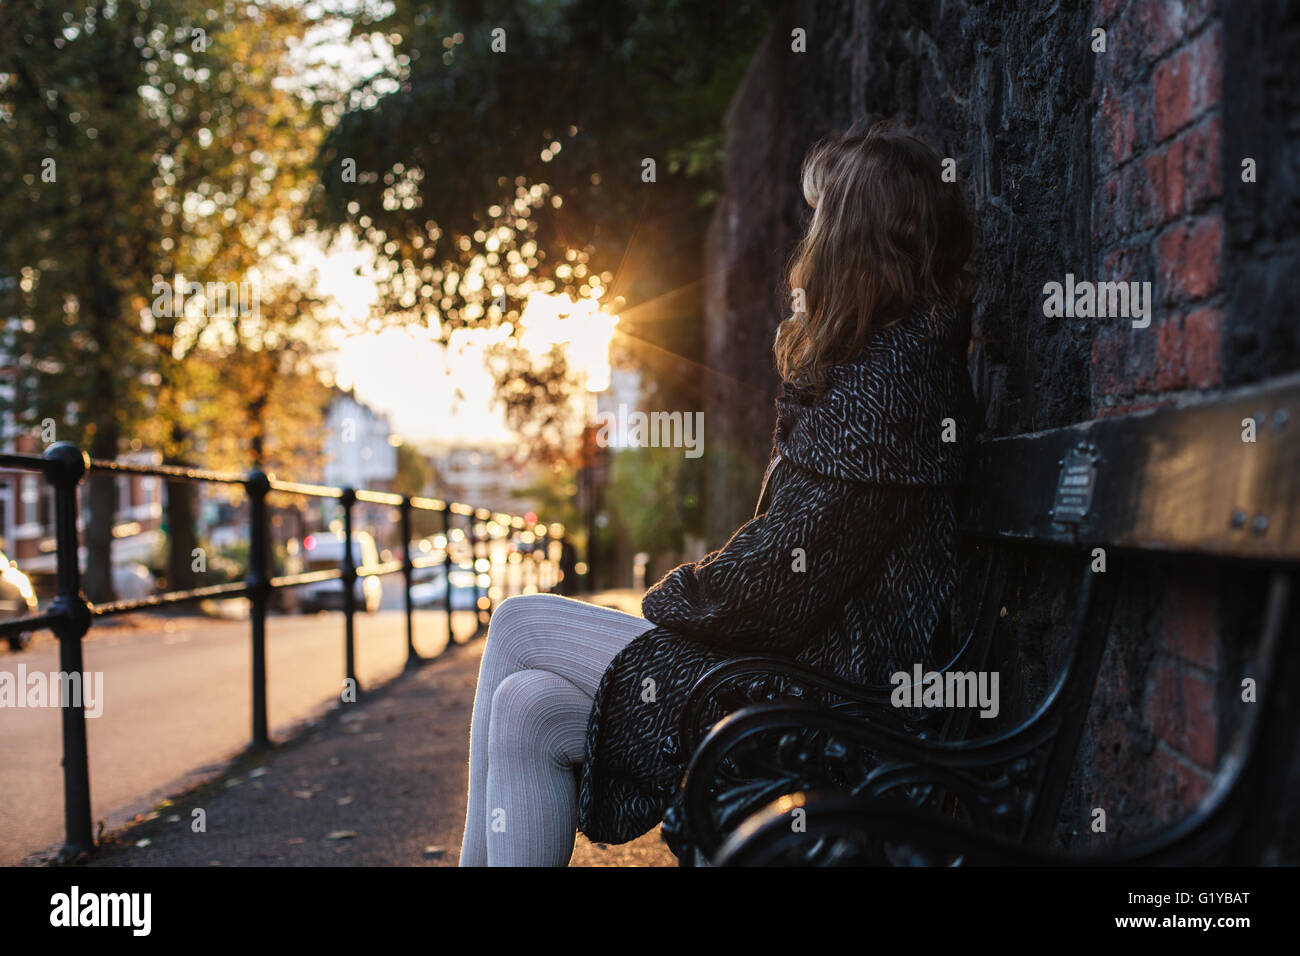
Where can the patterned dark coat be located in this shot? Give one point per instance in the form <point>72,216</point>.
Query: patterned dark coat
<point>862,481</point>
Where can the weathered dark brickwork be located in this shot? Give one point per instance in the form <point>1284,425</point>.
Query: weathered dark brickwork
<point>1117,165</point>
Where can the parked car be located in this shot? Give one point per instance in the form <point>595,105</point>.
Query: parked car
<point>17,599</point>
<point>432,593</point>
<point>131,582</point>
<point>324,551</point>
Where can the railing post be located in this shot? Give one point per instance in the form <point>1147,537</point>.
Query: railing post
<point>517,576</point>
<point>540,544</point>
<point>491,572</point>
<point>566,567</point>
<point>259,586</point>
<point>543,558</point>
<point>446,569</point>
<point>349,570</point>
<point>557,561</point>
<point>70,465</point>
<point>412,658</point>
<point>480,623</point>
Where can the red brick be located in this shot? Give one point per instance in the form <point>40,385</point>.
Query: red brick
<point>1188,350</point>
<point>1140,200</point>
<point>1164,24</point>
<point>1180,709</point>
<point>1203,348</point>
<point>1106,9</point>
<point>1189,622</point>
<point>1125,57</point>
<point>1189,259</point>
<point>1178,786</point>
<point>1197,12</point>
<point>1105,206</point>
<point>1142,360</point>
<point>1164,168</point>
<point>1116,125</point>
<point>1120,265</point>
<point>1202,159</point>
<point>1169,360</point>
<point>1188,83</point>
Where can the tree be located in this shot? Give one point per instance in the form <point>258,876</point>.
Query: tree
<point>234,196</point>
<point>79,227</point>
<point>176,151</point>
<point>482,173</point>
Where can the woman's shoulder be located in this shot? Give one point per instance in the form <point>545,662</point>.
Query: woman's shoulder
<point>923,337</point>
<point>888,414</point>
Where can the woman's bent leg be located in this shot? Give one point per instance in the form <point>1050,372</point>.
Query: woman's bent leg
<point>570,639</point>
<point>538,734</point>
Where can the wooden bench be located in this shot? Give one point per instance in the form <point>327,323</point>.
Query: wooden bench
<point>803,770</point>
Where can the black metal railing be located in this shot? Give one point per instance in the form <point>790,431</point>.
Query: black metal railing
<point>70,615</point>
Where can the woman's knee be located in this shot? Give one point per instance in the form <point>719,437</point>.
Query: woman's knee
<point>536,711</point>
<point>518,620</point>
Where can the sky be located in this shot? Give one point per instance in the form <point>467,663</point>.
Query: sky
<point>437,393</point>
<point>431,392</point>
<point>404,372</point>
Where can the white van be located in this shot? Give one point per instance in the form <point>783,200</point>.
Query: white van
<point>323,551</point>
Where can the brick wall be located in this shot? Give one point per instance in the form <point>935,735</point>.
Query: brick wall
<point>1178,73</point>
<point>1123,165</point>
<point>1157,203</point>
<point>1157,215</point>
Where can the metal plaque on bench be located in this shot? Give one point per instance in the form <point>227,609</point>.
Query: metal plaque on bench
<point>1074,486</point>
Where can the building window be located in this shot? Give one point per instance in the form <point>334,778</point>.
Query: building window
<point>31,485</point>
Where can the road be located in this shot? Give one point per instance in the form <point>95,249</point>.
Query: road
<point>177,704</point>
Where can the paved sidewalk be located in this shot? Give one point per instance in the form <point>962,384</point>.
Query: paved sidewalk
<point>376,783</point>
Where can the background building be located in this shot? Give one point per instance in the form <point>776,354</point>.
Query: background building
<point>486,476</point>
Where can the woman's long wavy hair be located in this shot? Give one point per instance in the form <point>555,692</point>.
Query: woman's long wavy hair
<point>888,238</point>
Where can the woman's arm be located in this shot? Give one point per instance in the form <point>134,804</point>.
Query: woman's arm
<point>784,570</point>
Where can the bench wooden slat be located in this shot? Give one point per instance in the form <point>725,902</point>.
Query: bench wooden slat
<point>1175,479</point>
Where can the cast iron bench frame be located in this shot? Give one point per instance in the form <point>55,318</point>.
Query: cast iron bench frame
<point>1173,481</point>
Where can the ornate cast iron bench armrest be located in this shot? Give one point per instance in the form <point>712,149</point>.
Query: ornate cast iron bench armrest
<point>766,750</point>
<point>828,828</point>
<point>838,828</point>
<point>744,681</point>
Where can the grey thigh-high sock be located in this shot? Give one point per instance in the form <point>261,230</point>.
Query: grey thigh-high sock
<point>569,639</point>
<point>538,734</point>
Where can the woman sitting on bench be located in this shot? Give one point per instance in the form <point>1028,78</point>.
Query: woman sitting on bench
<point>848,565</point>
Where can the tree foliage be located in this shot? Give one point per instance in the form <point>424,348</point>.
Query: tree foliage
<point>459,149</point>
<point>485,172</point>
<point>142,140</point>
